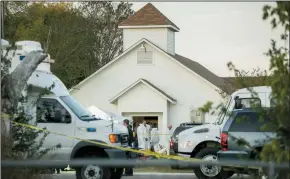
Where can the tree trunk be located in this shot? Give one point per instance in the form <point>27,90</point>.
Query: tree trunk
<point>13,84</point>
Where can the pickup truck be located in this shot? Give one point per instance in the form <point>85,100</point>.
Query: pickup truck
<point>174,138</point>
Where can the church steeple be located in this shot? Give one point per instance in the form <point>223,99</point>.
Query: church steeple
<point>149,23</point>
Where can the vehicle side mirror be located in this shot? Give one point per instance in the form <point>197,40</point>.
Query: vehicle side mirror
<point>57,116</point>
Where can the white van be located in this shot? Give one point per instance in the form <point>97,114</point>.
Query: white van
<point>59,112</point>
<point>204,141</point>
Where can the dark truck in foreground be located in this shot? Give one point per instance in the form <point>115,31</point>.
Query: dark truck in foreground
<point>244,136</point>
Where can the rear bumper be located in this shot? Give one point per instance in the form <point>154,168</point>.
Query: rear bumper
<point>233,155</point>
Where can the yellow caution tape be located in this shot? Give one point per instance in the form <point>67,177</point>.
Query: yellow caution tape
<point>103,144</point>
<point>145,153</point>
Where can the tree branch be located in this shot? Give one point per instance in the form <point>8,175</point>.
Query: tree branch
<point>14,83</point>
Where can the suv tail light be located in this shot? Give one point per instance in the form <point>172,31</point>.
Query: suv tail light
<point>224,141</point>
<point>171,143</point>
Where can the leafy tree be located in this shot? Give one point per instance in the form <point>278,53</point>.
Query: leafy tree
<point>105,40</point>
<point>280,84</point>
<point>81,39</point>
<point>279,80</point>
<point>18,142</point>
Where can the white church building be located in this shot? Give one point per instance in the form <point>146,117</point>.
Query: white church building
<point>149,80</point>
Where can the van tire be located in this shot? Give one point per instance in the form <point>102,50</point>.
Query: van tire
<point>106,172</point>
<point>212,152</point>
<point>117,173</point>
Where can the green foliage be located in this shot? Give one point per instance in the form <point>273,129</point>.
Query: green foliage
<point>206,108</point>
<point>278,150</point>
<point>19,142</point>
<point>279,15</point>
<point>279,80</point>
<point>81,39</point>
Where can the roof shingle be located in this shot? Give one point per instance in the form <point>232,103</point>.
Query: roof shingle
<point>148,15</point>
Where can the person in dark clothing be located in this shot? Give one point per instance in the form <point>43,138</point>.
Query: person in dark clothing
<point>129,171</point>
<point>135,136</point>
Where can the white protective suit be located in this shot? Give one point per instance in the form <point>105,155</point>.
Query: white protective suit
<point>168,137</point>
<point>148,136</point>
<point>154,137</point>
<point>141,134</point>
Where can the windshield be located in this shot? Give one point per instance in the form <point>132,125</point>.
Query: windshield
<point>80,111</point>
<point>223,110</point>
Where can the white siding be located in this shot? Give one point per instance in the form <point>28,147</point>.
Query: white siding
<point>156,35</point>
<point>145,57</point>
<point>142,99</point>
<point>188,89</point>
<point>171,42</point>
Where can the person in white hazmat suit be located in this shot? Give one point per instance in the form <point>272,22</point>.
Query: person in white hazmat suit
<point>142,137</point>
<point>168,137</point>
<point>148,135</point>
<point>154,137</point>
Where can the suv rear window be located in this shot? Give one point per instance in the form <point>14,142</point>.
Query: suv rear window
<point>250,122</point>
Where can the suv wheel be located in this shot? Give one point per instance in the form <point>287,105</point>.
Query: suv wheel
<point>210,171</point>
<point>93,171</point>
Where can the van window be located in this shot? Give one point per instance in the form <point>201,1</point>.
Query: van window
<point>249,122</point>
<point>51,111</point>
<point>78,109</point>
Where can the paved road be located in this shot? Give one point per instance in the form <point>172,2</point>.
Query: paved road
<point>145,176</point>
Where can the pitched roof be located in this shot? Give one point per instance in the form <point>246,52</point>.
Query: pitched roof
<point>197,68</point>
<point>146,82</point>
<point>200,70</point>
<point>185,62</point>
<point>149,15</point>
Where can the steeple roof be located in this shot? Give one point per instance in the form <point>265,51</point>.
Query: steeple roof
<point>149,15</point>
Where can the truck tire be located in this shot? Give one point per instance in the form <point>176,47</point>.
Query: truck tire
<point>117,173</point>
<point>207,171</point>
<point>93,171</point>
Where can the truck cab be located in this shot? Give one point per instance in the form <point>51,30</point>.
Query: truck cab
<point>204,141</point>
<point>52,107</point>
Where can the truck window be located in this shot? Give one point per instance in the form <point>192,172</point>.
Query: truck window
<point>247,103</point>
<point>51,111</point>
<point>249,122</point>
